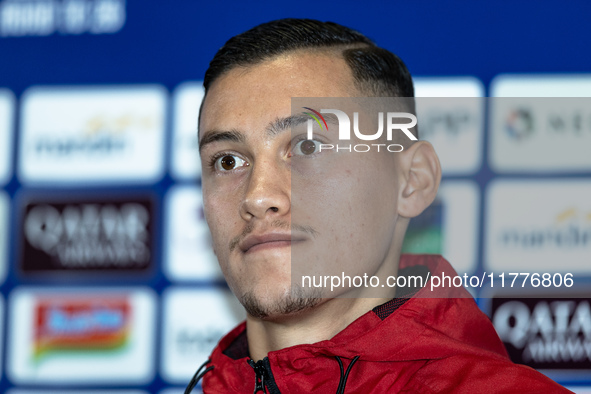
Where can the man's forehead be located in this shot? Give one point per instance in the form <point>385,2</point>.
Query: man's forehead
<point>263,92</point>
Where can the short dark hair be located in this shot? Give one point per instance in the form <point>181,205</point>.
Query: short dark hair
<point>376,71</point>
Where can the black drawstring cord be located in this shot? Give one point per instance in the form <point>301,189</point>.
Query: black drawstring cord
<point>342,373</point>
<point>343,380</point>
<point>197,376</point>
<point>259,372</point>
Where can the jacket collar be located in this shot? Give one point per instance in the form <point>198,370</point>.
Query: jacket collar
<point>430,325</point>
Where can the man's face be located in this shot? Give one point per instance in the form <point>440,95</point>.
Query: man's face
<point>267,200</point>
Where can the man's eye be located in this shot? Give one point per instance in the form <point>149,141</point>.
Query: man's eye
<point>229,162</point>
<point>306,147</point>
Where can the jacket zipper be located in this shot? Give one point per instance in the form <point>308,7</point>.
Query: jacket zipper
<point>263,377</point>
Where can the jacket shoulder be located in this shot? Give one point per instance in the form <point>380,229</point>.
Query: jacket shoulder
<point>474,373</point>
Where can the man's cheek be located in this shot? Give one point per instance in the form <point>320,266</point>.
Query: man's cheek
<point>210,213</point>
<point>216,240</point>
<point>213,226</point>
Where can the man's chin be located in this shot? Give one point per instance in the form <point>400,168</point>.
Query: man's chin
<point>289,304</point>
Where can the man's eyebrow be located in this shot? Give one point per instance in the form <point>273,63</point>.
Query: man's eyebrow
<point>282,124</point>
<point>274,128</point>
<point>215,135</point>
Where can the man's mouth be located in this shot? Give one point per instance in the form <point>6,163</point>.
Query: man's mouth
<point>254,243</point>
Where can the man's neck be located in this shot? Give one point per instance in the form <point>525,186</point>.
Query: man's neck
<point>316,324</point>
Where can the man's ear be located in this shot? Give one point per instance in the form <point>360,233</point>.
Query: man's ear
<point>419,181</point>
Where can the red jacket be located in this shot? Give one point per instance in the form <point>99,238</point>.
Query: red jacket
<point>427,345</point>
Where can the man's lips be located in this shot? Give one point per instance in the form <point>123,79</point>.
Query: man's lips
<point>252,243</point>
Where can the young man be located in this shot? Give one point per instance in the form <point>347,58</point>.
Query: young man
<point>272,198</point>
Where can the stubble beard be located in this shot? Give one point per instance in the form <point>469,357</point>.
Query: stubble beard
<point>294,301</point>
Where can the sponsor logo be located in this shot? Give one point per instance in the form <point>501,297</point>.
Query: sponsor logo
<point>92,134</point>
<point>73,325</point>
<point>99,136</point>
<point>452,123</point>
<point>450,111</point>
<point>519,124</point>
<point>189,338</point>
<point>537,226</point>
<point>571,229</point>
<point>86,335</point>
<point>455,128</point>
<point>42,17</point>
<point>87,235</point>
<point>540,134</point>
<point>545,333</point>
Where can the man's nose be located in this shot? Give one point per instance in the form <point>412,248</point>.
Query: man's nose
<point>268,191</point>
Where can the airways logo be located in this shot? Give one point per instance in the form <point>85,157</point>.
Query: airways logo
<point>546,333</point>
